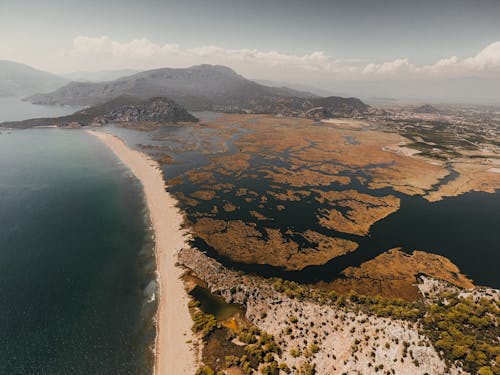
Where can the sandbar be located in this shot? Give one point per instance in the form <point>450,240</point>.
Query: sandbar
<point>173,351</point>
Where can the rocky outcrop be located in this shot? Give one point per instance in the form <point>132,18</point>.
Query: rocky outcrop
<point>124,110</point>
<point>158,110</point>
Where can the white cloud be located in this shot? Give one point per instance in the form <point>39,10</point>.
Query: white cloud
<point>398,66</point>
<point>104,53</point>
<point>488,58</point>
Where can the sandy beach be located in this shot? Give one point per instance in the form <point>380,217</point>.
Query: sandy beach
<point>174,354</point>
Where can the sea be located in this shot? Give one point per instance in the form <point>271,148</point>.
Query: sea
<point>76,255</point>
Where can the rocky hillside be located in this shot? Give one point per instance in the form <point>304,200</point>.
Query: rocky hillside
<point>123,109</point>
<point>336,105</point>
<point>449,331</point>
<point>316,108</point>
<point>19,80</point>
<point>157,110</point>
<point>196,88</point>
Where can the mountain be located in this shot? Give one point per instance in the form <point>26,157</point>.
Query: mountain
<point>100,76</point>
<point>297,86</point>
<point>463,90</point>
<point>196,88</point>
<point>336,105</point>
<point>123,109</point>
<point>20,80</point>
<point>316,108</point>
<point>156,110</point>
<point>426,108</point>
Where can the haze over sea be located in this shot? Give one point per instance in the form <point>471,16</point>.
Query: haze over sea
<point>75,257</point>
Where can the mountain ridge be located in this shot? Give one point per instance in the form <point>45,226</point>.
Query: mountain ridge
<point>199,87</point>
<point>18,80</point>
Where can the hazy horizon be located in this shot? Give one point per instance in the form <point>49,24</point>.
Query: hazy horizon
<point>445,50</point>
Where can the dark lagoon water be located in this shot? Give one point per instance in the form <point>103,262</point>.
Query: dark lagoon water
<point>75,258</point>
<point>464,229</point>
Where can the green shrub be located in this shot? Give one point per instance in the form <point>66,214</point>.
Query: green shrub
<point>205,370</point>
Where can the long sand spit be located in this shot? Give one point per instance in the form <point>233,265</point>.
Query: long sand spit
<point>174,354</point>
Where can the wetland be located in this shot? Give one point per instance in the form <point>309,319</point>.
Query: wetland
<point>326,203</point>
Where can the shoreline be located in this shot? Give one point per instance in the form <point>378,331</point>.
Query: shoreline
<point>173,354</point>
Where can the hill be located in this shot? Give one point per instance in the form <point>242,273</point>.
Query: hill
<point>338,106</point>
<point>199,87</point>
<point>426,108</point>
<point>124,109</point>
<point>316,108</point>
<point>99,76</point>
<point>18,80</point>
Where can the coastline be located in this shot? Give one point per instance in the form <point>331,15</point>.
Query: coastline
<point>173,353</point>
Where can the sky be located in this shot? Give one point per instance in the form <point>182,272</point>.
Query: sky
<point>308,42</point>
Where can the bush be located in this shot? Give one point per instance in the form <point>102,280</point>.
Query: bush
<point>205,370</point>
<point>485,371</point>
<point>204,323</point>
<point>270,369</point>
<point>464,330</point>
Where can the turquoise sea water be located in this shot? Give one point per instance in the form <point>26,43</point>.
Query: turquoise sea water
<point>75,258</point>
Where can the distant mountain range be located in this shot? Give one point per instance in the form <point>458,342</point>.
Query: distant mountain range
<point>196,88</point>
<point>100,76</point>
<point>220,88</point>
<point>202,87</point>
<point>19,80</point>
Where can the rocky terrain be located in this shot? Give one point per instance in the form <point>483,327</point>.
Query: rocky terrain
<point>122,110</point>
<point>324,333</point>
<point>157,110</point>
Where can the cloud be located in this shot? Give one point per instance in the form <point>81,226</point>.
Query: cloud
<point>138,53</point>
<point>104,53</point>
<point>398,66</point>
<point>487,59</point>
